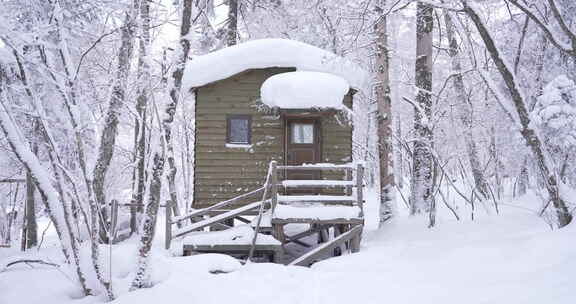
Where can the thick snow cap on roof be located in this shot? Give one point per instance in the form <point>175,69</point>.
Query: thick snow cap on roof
<point>304,90</point>
<point>268,53</point>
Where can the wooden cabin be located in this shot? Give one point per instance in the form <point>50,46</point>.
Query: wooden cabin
<point>237,134</point>
<point>273,147</point>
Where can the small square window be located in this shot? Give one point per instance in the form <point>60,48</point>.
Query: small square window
<point>238,129</point>
<point>302,133</point>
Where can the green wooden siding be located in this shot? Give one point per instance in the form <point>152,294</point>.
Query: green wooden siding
<point>221,172</point>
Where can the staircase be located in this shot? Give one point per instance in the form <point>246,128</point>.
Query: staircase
<point>274,206</point>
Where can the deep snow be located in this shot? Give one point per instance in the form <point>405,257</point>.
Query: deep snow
<point>513,257</point>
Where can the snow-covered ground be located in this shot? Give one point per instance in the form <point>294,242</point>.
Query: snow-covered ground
<point>513,257</point>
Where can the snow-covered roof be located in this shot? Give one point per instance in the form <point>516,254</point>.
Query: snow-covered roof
<point>268,53</point>
<point>304,90</point>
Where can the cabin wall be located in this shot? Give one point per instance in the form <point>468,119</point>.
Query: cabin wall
<point>221,172</point>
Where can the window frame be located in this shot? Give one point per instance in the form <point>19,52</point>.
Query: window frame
<point>292,133</point>
<point>247,117</point>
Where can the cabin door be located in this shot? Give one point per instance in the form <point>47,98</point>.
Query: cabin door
<point>303,146</point>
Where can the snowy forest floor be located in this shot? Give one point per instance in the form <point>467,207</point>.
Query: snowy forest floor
<point>513,257</point>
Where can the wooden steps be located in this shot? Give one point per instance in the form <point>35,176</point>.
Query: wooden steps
<point>340,215</point>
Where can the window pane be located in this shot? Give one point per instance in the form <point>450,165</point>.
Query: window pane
<point>239,131</point>
<point>302,133</point>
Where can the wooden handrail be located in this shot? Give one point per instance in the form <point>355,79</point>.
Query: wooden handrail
<point>206,210</point>
<point>270,183</point>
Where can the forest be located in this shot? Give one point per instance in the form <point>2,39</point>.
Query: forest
<point>462,163</point>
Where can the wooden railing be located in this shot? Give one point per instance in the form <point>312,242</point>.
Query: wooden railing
<point>218,219</point>
<point>348,183</point>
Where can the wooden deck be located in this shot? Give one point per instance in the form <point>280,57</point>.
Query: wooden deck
<point>337,220</point>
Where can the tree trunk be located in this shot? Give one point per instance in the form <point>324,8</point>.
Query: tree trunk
<point>232,32</point>
<point>421,182</point>
<point>110,130</point>
<point>162,154</point>
<point>465,109</point>
<point>523,179</point>
<point>530,135</point>
<point>137,207</point>
<point>384,118</point>
<point>31,234</point>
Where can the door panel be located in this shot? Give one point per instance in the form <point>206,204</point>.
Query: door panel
<point>303,147</point>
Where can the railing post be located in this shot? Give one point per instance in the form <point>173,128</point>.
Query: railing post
<point>348,177</point>
<point>273,186</point>
<point>168,239</point>
<point>359,187</point>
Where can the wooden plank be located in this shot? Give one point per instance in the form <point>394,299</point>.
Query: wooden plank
<point>216,185</point>
<point>325,168</point>
<point>256,155</point>
<point>210,169</point>
<point>213,144</point>
<point>232,163</point>
<point>216,219</point>
<point>317,252</point>
<point>201,124</point>
<point>315,198</point>
<point>360,187</point>
<point>316,183</point>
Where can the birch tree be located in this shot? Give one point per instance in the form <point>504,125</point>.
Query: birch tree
<point>140,128</point>
<point>384,102</point>
<point>421,198</point>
